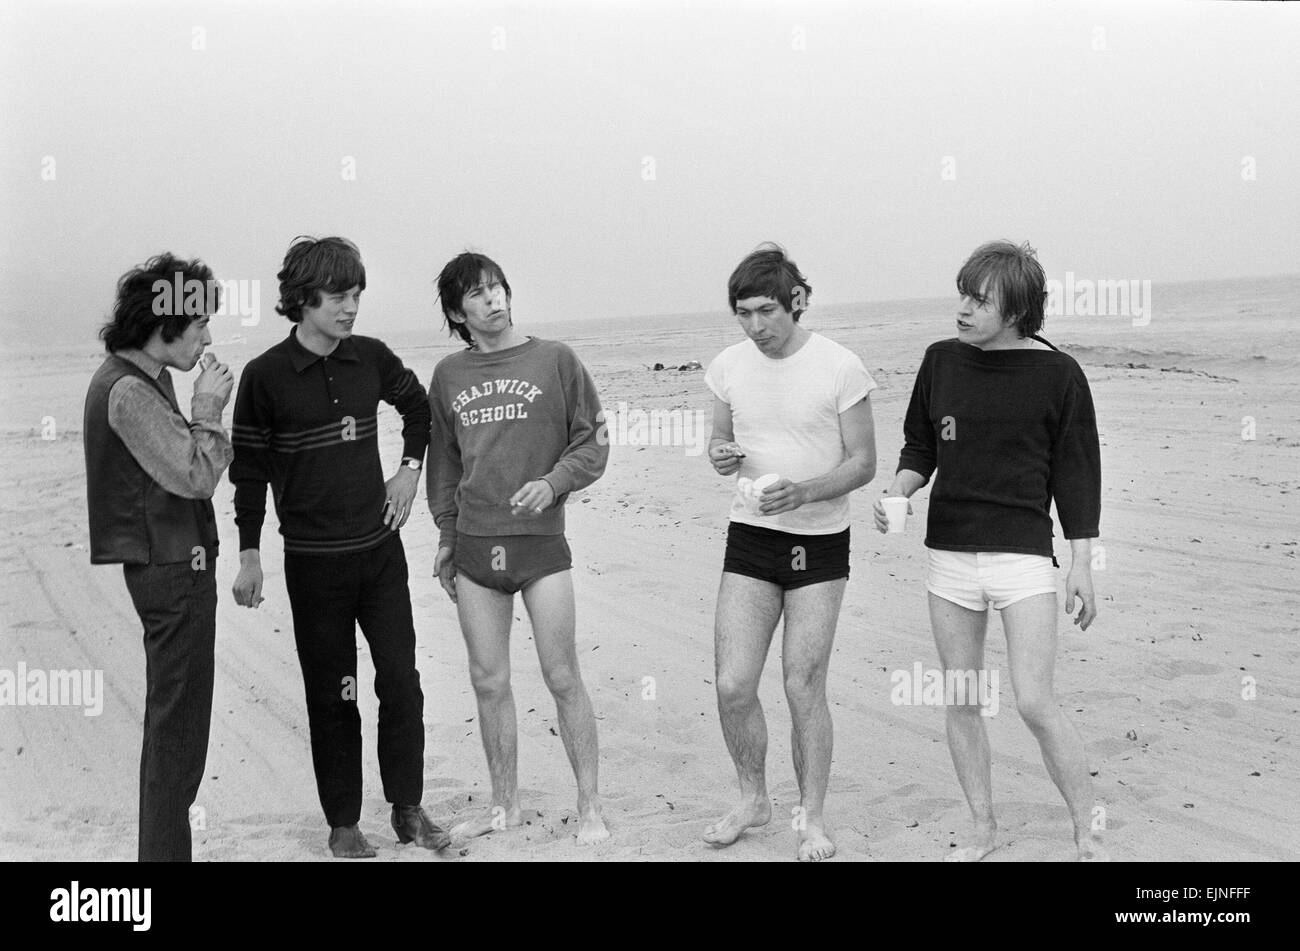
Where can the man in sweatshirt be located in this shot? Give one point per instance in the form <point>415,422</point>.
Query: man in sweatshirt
<point>1005,424</point>
<point>306,423</point>
<point>516,423</point>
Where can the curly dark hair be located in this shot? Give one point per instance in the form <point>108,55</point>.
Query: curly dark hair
<point>142,306</point>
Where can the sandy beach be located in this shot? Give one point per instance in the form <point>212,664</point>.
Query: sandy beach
<point>1185,690</point>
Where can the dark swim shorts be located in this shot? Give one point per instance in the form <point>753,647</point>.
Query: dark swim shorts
<point>786,559</point>
<point>511,563</point>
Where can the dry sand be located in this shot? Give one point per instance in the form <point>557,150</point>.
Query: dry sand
<point>1197,593</point>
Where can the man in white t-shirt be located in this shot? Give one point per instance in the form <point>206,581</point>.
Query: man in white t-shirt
<point>792,421</point>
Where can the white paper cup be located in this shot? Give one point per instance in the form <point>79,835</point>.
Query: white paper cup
<point>751,493</point>
<point>896,512</point>
<point>745,492</point>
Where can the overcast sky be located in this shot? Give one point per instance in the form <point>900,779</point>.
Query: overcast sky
<point>619,158</point>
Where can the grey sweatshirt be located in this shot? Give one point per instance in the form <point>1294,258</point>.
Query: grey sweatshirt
<point>501,420</point>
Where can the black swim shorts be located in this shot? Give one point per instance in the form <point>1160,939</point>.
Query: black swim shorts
<point>786,559</point>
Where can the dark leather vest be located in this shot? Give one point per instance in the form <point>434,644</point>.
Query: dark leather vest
<point>134,520</point>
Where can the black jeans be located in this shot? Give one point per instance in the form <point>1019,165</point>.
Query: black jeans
<point>330,595</point>
<point>178,606</point>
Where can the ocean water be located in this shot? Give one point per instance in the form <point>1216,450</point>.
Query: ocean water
<point>1242,327</point>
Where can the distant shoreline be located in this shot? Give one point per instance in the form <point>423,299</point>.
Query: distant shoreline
<point>584,326</point>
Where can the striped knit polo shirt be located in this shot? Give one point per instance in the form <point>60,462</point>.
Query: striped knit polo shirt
<point>308,426</point>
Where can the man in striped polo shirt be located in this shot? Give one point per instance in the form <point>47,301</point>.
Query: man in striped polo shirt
<point>306,423</point>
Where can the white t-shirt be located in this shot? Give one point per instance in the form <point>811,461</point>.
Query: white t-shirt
<point>786,417</point>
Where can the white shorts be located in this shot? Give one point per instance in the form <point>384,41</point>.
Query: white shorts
<point>973,579</point>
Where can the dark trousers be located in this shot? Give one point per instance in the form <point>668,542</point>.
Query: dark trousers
<point>330,595</point>
<point>178,606</point>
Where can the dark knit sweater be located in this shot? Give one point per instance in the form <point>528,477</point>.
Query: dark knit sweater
<point>1009,431</point>
<point>308,425</point>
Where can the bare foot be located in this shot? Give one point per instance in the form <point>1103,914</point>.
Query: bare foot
<point>496,819</point>
<point>1090,850</point>
<point>814,844</point>
<point>591,827</point>
<point>347,842</point>
<point>749,813</point>
<point>985,841</point>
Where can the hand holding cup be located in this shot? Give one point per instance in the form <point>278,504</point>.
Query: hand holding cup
<point>891,514</point>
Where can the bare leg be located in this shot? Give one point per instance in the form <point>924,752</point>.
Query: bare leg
<point>485,616</point>
<point>811,613</point>
<point>745,618</point>
<point>959,636</point>
<point>549,601</point>
<point>1031,649</point>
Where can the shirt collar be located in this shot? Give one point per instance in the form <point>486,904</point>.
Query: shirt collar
<point>302,358</point>
<point>151,366</point>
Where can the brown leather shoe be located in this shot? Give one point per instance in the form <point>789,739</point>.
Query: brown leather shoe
<point>411,823</point>
<point>347,842</point>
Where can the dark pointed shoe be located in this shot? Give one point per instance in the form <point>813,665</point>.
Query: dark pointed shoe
<point>347,842</point>
<point>411,824</point>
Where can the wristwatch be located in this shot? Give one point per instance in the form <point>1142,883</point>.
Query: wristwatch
<point>410,462</point>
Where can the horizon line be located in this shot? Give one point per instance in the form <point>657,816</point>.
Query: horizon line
<point>900,300</point>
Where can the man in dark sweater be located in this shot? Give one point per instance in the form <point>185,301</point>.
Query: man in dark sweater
<point>516,428</point>
<point>306,423</point>
<point>150,475</point>
<point>1007,423</point>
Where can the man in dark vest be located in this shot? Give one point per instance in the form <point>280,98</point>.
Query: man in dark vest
<point>150,475</point>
